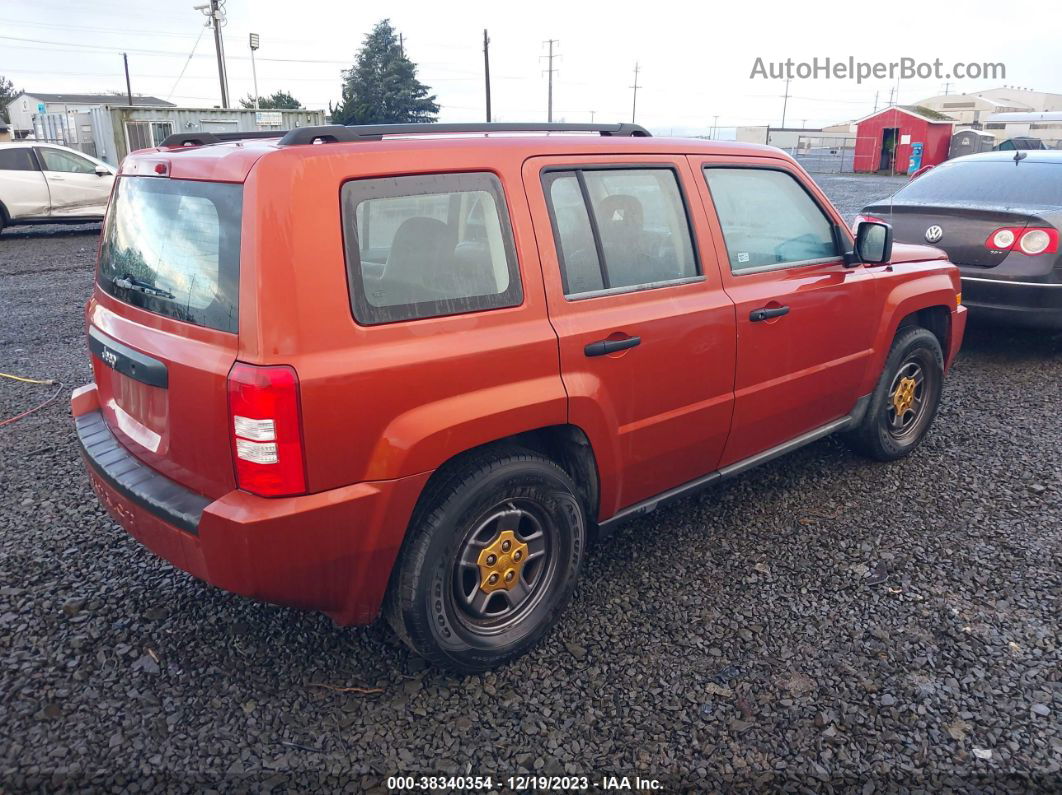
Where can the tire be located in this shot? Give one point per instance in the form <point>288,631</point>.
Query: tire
<point>443,602</point>
<point>886,433</point>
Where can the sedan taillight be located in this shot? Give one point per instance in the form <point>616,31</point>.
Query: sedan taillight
<point>1038,241</point>
<point>1031,241</point>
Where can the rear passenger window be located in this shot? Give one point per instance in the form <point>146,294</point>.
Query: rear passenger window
<point>426,246</point>
<point>16,158</point>
<point>768,219</point>
<point>619,229</point>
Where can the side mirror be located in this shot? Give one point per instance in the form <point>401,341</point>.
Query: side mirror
<point>102,171</point>
<point>873,244</point>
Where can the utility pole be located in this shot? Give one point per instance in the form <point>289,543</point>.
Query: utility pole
<point>947,88</point>
<point>634,103</point>
<point>486,69</point>
<point>550,71</point>
<point>128,85</point>
<point>254,40</point>
<point>215,11</point>
<point>892,93</point>
<point>785,101</point>
<point>715,127</point>
<point>876,93</point>
<point>592,116</point>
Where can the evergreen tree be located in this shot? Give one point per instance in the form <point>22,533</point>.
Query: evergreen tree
<point>382,87</point>
<point>7,96</point>
<point>278,100</point>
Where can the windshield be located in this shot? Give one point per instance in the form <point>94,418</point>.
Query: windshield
<point>173,247</point>
<point>999,183</point>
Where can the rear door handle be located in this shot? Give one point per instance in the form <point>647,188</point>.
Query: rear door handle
<point>602,347</point>
<point>756,315</point>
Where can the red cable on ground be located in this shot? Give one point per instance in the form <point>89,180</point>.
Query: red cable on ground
<point>26,413</point>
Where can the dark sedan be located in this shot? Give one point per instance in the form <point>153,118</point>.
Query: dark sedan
<point>998,216</point>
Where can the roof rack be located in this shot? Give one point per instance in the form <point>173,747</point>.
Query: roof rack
<point>336,133</point>
<point>204,138</point>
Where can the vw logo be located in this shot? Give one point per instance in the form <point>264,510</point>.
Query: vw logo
<point>934,233</point>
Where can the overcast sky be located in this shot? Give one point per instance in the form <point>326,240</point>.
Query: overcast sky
<point>695,58</point>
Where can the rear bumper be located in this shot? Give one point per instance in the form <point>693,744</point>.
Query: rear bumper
<point>332,551</point>
<point>1013,302</point>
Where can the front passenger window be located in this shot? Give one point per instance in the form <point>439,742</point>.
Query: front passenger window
<point>768,219</point>
<point>58,160</point>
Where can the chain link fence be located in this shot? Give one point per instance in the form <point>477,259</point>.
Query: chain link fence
<point>825,154</point>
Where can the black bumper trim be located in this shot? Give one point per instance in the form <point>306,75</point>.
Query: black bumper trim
<point>134,364</point>
<point>141,484</point>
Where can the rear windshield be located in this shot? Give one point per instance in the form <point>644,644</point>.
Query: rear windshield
<point>995,182</point>
<point>173,247</point>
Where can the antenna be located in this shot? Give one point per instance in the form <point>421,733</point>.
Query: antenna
<point>634,104</point>
<point>785,101</point>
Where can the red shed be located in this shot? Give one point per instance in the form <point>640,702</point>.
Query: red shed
<point>887,135</point>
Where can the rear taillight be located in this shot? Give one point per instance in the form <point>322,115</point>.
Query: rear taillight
<point>1031,241</point>
<point>1002,239</point>
<point>860,218</point>
<point>266,429</point>
<point>1038,241</point>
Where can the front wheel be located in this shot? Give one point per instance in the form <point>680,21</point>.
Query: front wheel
<point>906,399</point>
<point>491,561</point>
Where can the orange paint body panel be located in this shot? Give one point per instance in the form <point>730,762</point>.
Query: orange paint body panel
<point>381,407</point>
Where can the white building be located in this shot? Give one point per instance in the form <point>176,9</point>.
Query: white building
<point>790,138</point>
<point>1046,126</point>
<point>972,110</point>
<point>25,106</point>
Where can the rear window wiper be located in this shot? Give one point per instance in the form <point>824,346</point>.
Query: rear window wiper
<point>130,282</point>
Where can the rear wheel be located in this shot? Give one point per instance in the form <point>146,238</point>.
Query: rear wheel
<point>905,401</point>
<point>491,561</point>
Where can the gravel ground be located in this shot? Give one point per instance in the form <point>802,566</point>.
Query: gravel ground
<point>850,193</point>
<point>822,622</point>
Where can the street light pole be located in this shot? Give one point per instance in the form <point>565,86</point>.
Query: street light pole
<point>254,72</point>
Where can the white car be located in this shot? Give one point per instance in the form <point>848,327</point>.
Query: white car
<point>42,183</point>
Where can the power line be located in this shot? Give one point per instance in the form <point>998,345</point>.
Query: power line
<point>93,29</point>
<point>187,61</point>
<point>75,46</point>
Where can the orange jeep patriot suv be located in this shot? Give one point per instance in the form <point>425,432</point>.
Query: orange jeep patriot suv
<point>414,369</point>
